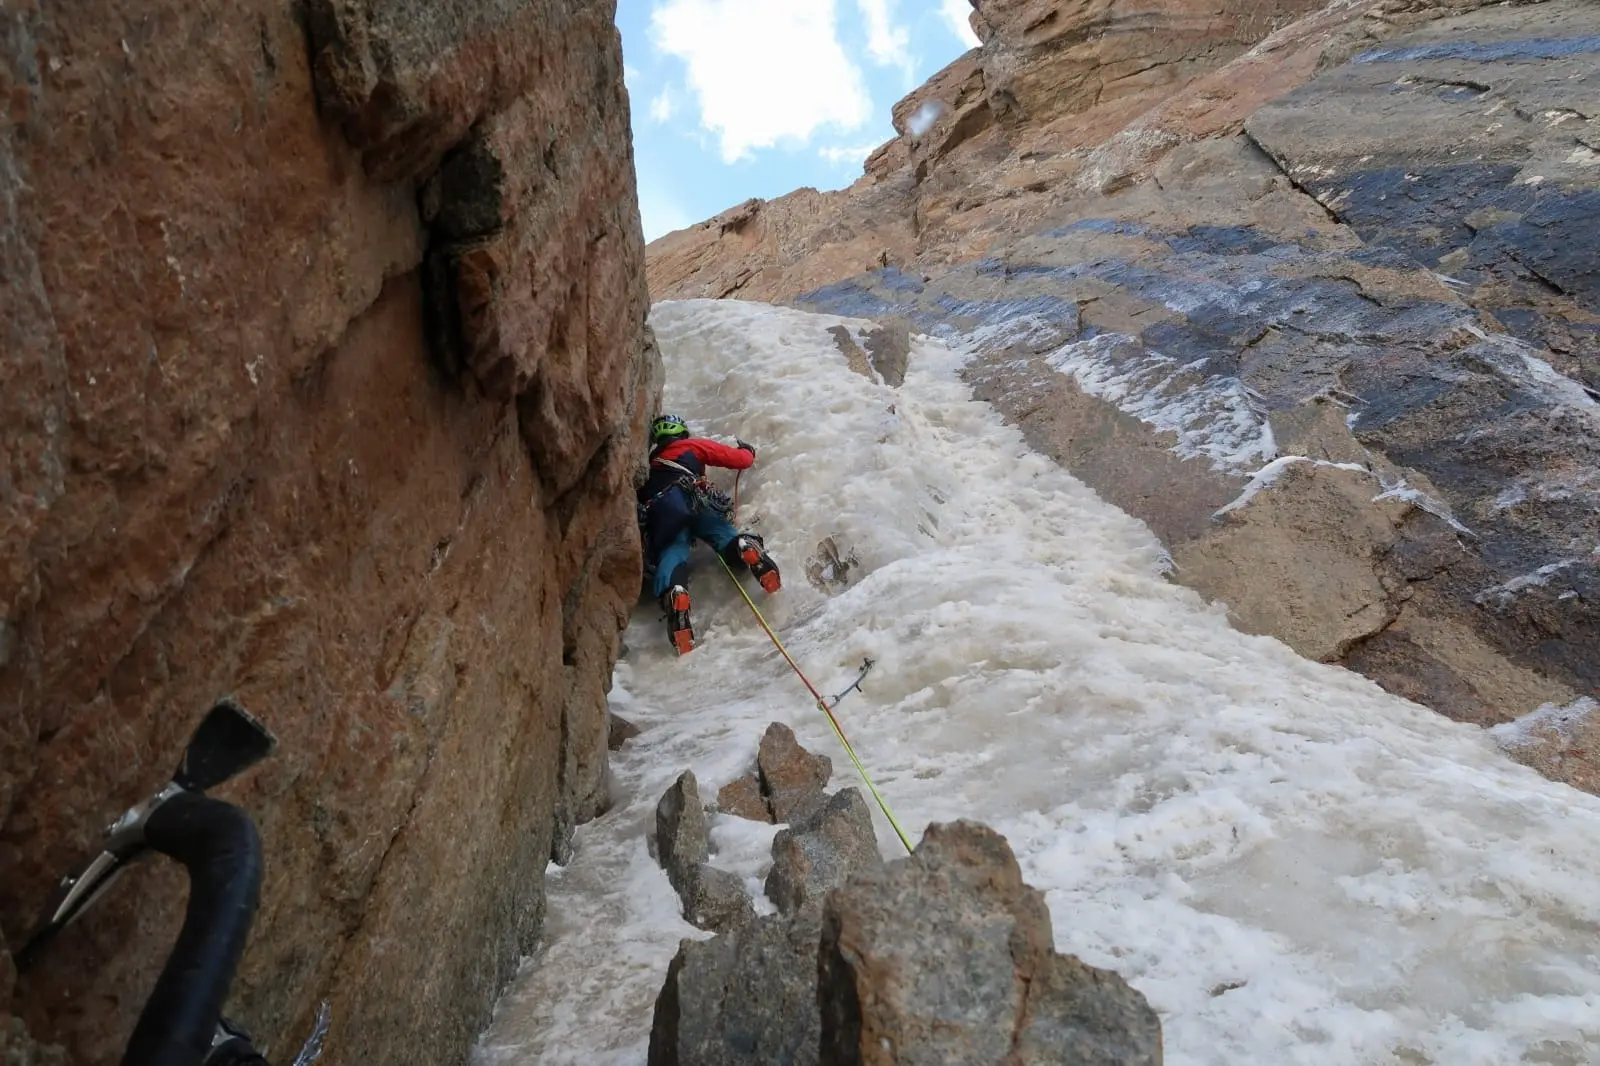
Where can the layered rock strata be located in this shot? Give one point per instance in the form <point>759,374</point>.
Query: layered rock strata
<point>1303,287</point>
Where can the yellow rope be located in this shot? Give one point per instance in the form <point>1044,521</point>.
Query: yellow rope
<point>821,704</point>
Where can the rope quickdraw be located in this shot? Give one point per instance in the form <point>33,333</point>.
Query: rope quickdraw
<point>822,704</point>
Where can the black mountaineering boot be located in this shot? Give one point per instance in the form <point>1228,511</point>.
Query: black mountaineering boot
<point>753,553</point>
<point>680,633</point>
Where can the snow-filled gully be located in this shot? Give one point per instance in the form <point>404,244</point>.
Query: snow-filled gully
<point>1293,866</point>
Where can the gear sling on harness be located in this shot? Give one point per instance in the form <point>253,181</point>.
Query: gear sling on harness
<point>702,492</point>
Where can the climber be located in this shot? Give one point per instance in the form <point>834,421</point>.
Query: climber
<point>677,504</point>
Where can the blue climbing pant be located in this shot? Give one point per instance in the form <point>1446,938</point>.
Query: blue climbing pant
<point>670,531</point>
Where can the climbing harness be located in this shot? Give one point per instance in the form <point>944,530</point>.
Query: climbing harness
<point>701,489</point>
<point>824,705</point>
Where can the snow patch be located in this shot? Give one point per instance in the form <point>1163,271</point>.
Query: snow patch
<point>744,847</point>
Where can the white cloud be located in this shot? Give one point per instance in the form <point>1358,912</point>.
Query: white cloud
<point>841,155</point>
<point>763,71</point>
<point>664,106</point>
<point>889,45</point>
<point>955,12</point>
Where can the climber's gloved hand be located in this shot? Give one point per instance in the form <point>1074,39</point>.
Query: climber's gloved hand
<point>751,448</point>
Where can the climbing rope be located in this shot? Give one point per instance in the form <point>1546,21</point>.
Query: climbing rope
<point>822,704</point>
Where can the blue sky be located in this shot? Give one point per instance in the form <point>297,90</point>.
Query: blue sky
<point>739,98</point>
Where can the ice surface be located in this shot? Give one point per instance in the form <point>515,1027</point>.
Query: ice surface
<point>1294,866</point>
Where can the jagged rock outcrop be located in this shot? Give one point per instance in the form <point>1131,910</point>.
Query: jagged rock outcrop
<point>814,857</point>
<point>945,956</point>
<point>792,778</point>
<point>1302,286</point>
<point>619,731</point>
<point>743,997</point>
<point>749,994</point>
<point>325,372</point>
<point>787,784</point>
<point>712,898</point>
<point>948,956</point>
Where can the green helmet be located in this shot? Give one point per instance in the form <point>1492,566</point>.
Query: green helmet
<point>667,427</point>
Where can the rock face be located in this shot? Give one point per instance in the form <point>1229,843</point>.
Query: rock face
<point>792,778</point>
<point>788,784</point>
<point>948,957</point>
<point>325,372</point>
<point>815,857</point>
<point>1316,310</point>
<point>945,957</point>
<point>749,995</point>
<point>712,898</point>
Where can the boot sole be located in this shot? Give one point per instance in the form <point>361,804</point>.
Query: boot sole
<point>765,572</point>
<point>682,633</point>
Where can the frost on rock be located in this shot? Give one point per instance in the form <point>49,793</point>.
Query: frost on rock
<point>1214,417</point>
<point>1268,476</point>
<point>1566,485</point>
<point>1549,718</point>
<point>1560,741</point>
<point>1397,489</point>
<point>1516,361</point>
<point>1501,596</point>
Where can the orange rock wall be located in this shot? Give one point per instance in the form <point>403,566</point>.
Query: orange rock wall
<point>324,375</point>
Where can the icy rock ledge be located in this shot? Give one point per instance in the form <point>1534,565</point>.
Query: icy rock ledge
<point>946,956</point>
<point>712,898</point>
<point>824,836</point>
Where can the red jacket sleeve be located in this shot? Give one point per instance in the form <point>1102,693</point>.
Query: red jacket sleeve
<point>711,453</point>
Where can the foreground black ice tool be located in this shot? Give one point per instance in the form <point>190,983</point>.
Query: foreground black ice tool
<point>227,742</point>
